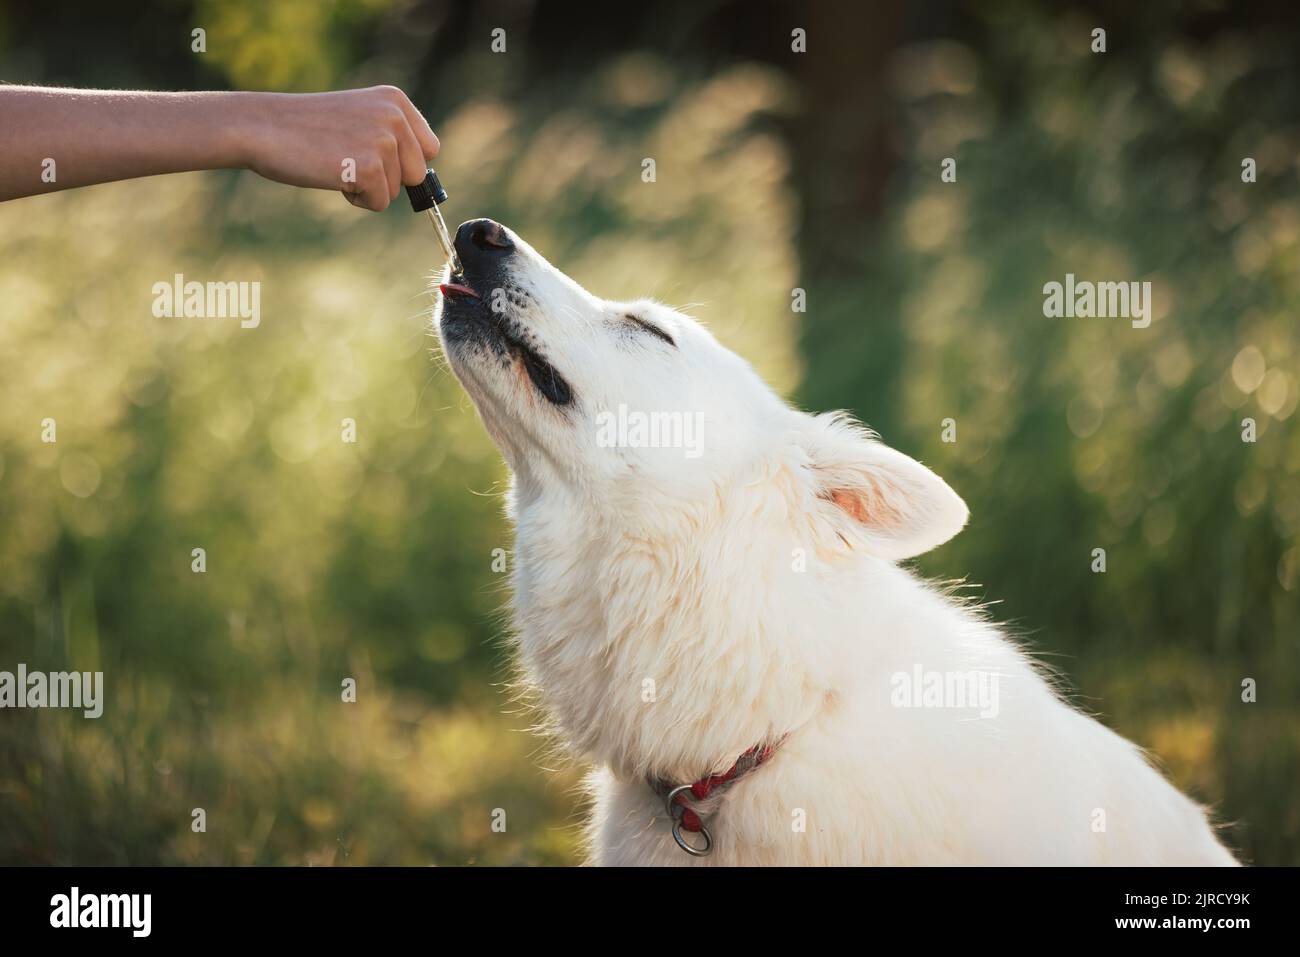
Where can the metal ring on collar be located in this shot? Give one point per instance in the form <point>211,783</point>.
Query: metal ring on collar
<point>669,805</point>
<point>693,851</point>
<point>672,797</point>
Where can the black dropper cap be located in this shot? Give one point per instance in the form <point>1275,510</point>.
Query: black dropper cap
<point>428,194</point>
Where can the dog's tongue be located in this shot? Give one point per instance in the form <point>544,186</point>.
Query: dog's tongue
<point>456,289</point>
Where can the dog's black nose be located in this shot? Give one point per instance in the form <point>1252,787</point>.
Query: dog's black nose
<point>482,240</point>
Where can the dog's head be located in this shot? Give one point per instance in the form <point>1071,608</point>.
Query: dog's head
<point>630,407</point>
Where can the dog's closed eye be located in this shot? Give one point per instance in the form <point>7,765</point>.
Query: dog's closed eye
<point>650,328</point>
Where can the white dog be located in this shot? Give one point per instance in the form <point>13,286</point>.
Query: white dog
<point>706,593</point>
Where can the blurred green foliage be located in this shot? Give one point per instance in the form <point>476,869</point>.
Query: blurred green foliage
<point>374,560</point>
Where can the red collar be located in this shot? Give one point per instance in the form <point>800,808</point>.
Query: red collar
<point>680,798</point>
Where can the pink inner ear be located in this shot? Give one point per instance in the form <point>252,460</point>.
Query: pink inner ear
<point>867,505</point>
<point>853,503</point>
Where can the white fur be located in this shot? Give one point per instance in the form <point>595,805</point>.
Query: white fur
<point>638,565</point>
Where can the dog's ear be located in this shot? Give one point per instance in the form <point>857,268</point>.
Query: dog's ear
<point>872,494</point>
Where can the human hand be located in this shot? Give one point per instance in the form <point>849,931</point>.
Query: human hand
<point>366,143</point>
